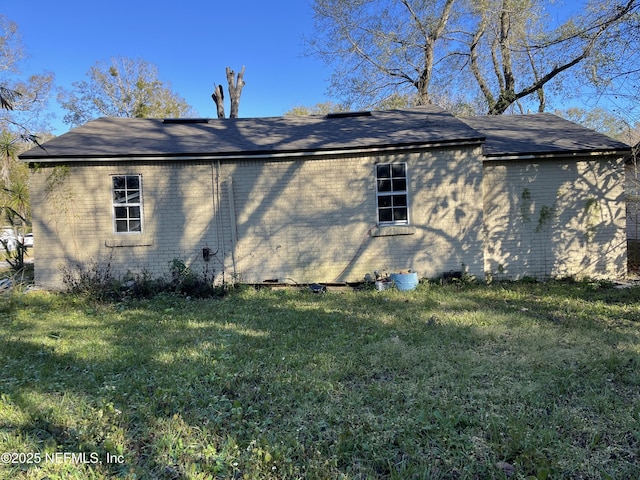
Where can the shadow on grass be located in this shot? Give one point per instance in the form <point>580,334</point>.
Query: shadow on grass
<point>289,384</point>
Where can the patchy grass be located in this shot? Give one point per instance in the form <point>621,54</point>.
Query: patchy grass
<point>458,381</point>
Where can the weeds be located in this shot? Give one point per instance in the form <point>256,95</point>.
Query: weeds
<point>92,279</point>
<point>95,280</point>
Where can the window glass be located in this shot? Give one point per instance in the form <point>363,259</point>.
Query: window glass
<point>133,182</point>
<point>384,185</point>
<point>383,171</point>
<point>399,169</point>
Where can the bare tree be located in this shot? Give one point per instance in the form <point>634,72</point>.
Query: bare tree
<point>522,59</point>
<point>22,100</point>
<point>499,54</point>
<point>235,85</point>
<point>380,48</point>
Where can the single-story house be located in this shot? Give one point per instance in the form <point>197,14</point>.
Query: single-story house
<point>331,198</point>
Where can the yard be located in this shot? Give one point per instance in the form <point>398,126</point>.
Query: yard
<point>449,381</point>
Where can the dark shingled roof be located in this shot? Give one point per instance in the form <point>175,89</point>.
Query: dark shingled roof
<point>539,134</point>
<point>129,138</point>
<point>135,137</point>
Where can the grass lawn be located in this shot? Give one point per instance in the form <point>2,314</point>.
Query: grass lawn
<point>457,381</point>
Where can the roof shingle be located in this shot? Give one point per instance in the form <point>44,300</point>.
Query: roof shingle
<point>538,134</point>
<point>509,135</point>
<point>131,137</point>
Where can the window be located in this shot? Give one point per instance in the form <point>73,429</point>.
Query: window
<point>127,203</point>
<point>392,195</point>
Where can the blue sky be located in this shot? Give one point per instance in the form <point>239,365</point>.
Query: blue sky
<point>190,41</point>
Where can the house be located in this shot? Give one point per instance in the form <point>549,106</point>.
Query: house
<point>331,198</point>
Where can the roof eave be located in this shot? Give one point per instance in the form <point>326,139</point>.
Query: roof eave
<point>551,155</point>
<point>244,155</point>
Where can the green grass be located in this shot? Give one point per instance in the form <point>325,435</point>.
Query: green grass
<point>458,381</point>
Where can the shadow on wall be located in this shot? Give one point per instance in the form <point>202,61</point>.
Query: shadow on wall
<point>310,220</point>
<point>554,219</point>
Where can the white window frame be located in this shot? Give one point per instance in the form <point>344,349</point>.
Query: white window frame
<point>129,199</point>
<point>389,191</point>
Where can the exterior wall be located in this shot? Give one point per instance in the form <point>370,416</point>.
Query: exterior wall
<point>72,218</point>
<point>315,221</point>
<point>555,218</point>
<point>305,220</point>
<point>633,201</point>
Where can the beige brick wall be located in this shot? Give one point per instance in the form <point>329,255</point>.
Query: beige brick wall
<point>308,220</point>
<point>315,221</point>
<point>74,225</point>
<point>633,201</point>
<point>555,218</point>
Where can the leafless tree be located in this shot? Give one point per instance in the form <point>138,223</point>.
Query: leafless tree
<point>235,85</point>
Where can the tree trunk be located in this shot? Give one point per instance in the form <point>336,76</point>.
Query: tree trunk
<point>218,99</point>
<point>235,89</point>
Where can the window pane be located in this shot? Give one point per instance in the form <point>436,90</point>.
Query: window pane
<point>133,182</point>
<point>383,171</point>
<point>399,214</point>
<point>121,212</point>
<point>121,226</point>
<point>398,170</point>
<point>118,183</point>
<point>119,196</point>
<point>134,226</point>
<point>384,185</point>
<point>399,184</point>
<point>399,200</point>
<point>134,212</point>
<point>133,197</point>
<point>385,215</point>
<point>384,201</point>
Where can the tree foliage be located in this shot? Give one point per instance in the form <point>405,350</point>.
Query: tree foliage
<point>602,121</point>
<point>513,56</point>
<point>490,56</point>
<point>325,108</point>
<point>122,87</point>
<point>22,101</point>
<point>15,204</point>
<point>322,108</point>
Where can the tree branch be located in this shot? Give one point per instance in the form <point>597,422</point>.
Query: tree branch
<point>473,61</point>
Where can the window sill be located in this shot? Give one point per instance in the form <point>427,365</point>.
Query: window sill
<point>392,230</point>
<point>128,242</point>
